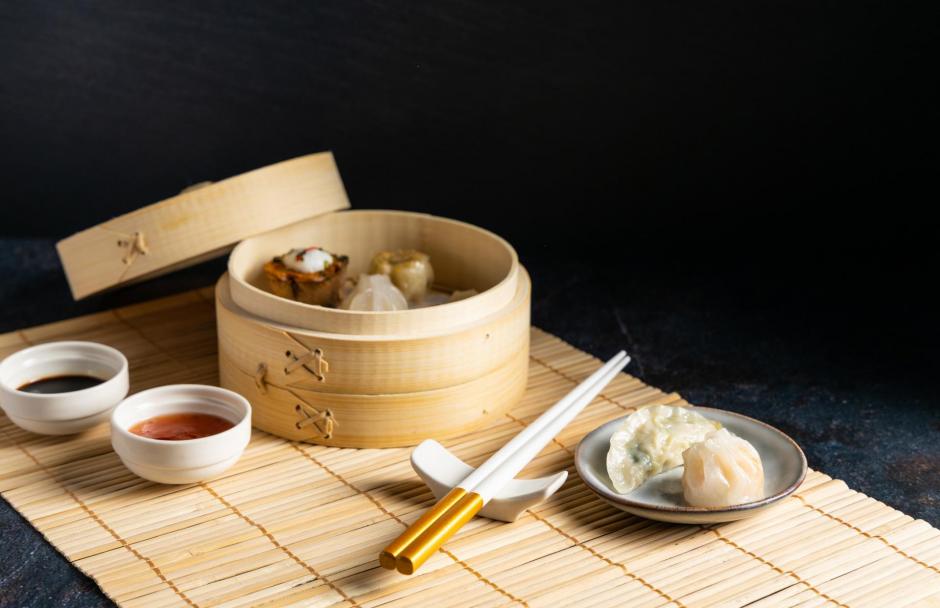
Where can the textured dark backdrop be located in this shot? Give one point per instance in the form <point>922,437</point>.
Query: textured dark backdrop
<point>674,115</point>
<point>738,193</point>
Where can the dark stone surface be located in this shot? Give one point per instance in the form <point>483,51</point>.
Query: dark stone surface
<point>851,380</point>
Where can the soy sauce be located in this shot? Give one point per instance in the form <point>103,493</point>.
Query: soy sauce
<point>60,384</point>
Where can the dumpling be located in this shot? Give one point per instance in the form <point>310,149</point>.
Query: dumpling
<point>650,441</point>
<point>410,271</point>
<point>722,470</point>
<point>374,292</point>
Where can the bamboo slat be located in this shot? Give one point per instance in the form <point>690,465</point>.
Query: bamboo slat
<point>294,524</point>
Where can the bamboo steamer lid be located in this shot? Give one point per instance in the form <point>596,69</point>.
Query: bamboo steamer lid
<point>200,223</point>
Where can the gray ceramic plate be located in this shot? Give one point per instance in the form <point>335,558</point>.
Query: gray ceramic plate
<point>661,497</point>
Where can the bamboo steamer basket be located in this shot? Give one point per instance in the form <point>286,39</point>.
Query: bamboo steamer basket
<point>463,257</point>
<point>356,379</point>
<point>328,376</point>
<point>297,405</point>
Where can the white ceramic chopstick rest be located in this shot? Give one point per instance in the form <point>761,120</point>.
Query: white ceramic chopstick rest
<point>468,498</point>
<point>442,471</point>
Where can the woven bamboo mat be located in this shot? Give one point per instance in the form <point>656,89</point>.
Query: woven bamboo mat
<point>296,524</point>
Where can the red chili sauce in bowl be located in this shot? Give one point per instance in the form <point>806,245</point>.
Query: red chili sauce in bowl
<point>176,427</point>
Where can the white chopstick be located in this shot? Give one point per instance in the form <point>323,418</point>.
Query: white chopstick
<point>510,466</point>
<point>572,399</point>
<point>426,535</point>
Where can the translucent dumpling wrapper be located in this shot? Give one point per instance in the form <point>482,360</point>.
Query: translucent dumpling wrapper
<point>721,471</point>
<point>650,441</point>
<point>409,270</point>
<point>462,294</point>
<point>374,292</point>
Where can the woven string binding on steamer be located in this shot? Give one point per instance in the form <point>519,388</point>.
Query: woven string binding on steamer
<point>312,361</point>
<point>309,415</point>
<point>324,421</point>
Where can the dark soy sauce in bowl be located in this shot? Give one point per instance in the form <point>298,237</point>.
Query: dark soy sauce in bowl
<point>60,384</point>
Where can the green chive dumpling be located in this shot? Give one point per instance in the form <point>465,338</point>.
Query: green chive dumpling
<point>651,440</point>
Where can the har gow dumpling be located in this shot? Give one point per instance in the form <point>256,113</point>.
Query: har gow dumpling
<point>721,471</point>
<point>374,292</point>
<point>650,441</point>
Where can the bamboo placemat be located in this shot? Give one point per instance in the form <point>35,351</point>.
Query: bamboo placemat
<point>297,524</point>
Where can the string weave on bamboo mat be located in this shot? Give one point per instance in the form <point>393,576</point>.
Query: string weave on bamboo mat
<point>298,524</point>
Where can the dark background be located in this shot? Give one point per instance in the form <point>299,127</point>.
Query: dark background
<point>767,124</point>
<point>744,195</point>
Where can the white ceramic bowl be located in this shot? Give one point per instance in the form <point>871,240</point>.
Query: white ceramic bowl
<point>69,412</point>
<point>187,460</point>
<point>661,498</point>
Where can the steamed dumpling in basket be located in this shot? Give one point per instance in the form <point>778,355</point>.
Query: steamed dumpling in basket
<point>409,270</point>
<point>374,292</point>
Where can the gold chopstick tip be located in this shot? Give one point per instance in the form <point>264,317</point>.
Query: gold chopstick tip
<point>388,555</point>
<point>423,547</point>
<point>387,560</point>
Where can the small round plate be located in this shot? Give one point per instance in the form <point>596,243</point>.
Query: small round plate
<point>660,498</point>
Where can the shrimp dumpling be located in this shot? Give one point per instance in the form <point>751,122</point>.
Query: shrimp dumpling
<point>374,292</point>
<point>650,441</point>
<point>721,471</point>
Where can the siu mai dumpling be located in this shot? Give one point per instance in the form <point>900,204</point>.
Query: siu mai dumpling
<point>650,441</point>
<point>721,471</point>
<point>409,270</point>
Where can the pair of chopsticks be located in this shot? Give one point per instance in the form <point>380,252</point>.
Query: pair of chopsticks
<point>440,522</point>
